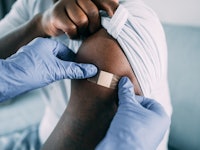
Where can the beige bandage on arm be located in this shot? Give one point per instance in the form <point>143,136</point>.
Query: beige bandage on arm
<point>105,79</point>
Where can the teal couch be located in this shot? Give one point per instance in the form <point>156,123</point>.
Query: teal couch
<point>184,81</point>
<point>5,6</point>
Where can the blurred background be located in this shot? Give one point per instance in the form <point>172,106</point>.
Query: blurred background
<point>177,12</point>
<point>5,6</point>
<point>181,22</point>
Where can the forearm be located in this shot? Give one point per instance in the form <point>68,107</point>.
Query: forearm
<point>22,35</point>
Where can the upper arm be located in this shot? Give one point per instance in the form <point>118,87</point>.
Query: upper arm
<point>104,51</point>
<point>92,107</point>
<point>135,49</point>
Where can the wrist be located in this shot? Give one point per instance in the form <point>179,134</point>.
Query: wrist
<point>36,23</point>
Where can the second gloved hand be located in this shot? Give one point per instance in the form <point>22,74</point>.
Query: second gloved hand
<point>139,124</point>
<point>37,64</point>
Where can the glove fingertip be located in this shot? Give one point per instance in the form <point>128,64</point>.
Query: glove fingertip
<point>123,81</point>
<point>82,71</point>
<point>89,70</point>
<point>126,90</point>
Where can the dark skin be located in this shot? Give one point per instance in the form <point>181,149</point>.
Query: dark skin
<point>70,17</point>
<point>92,107</point>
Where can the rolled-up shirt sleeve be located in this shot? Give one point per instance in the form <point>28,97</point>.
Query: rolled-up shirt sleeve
<point>140,34</point>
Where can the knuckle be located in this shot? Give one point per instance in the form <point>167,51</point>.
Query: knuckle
<point>71,30</point>
<point>83,22</point>
<point>93,12</point>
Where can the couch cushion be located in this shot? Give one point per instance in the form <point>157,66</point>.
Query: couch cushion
<point>21,112</point>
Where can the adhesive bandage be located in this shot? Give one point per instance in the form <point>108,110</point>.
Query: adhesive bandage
<point>105,79</point>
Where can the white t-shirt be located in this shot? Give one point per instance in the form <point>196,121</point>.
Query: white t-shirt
<point>148,34</point>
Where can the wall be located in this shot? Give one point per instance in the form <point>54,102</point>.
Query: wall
<point>185,12</point>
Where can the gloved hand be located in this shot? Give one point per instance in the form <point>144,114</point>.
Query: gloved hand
<point>140,123</point>
<point>37,64</point>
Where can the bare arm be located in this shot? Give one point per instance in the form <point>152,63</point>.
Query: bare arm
<point>64,17</point>
<point>22,35</point>
<point>69,17</point>
<point>91,107</point>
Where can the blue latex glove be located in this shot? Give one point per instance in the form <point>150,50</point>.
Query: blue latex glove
<point>37,64</point>
<point>139,124</point>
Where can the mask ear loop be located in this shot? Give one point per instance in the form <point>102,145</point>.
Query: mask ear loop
<point>105,79</point>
